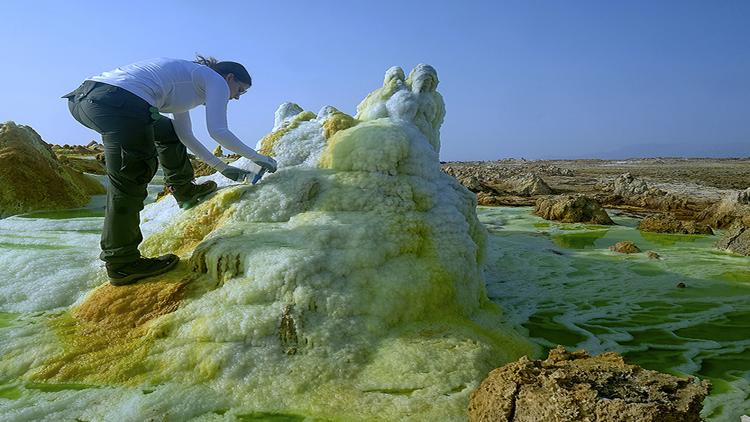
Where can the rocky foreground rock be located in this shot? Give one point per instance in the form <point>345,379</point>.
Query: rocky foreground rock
<point>684,188</point>
<point>736,240</point>
<point>499,187</point>
<point>572,209</point>
<point>665,223</point>
<point>733,208</point>
<point>32,177</point>
<point>574,386</point>
<point>626,246</point>
<point>86,159</point>
<point>84,165</point>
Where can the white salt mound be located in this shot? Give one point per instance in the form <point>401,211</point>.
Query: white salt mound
<point>346,286</point>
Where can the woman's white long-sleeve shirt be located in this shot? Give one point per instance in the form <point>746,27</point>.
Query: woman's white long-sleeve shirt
<point>177,86</point>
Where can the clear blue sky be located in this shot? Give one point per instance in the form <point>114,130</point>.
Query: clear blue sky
<point>533,79</point>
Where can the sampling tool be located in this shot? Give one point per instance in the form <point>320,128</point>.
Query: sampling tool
<point>257,177</point>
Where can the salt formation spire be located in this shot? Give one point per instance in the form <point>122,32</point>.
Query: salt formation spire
<point>347,285</point>
<point>413,99</point>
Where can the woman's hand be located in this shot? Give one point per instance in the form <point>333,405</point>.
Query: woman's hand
<point>236,174</point>
<point>267,163</point>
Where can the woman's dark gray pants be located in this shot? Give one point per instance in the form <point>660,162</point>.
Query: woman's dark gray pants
<point>132,142</point>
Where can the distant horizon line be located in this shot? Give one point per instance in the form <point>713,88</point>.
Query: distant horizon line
<point>678,158</point>
<point>604,157</point>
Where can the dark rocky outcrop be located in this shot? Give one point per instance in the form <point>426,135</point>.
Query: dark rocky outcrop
<point>572,209</point>
<point>528,184</point>
<point>665,223</point>
<point>84,165</point>
<point>78,149</point>
<point>625,246</point>
<point>573,386</point>
<point>489,200</point>
<point>200,168</point>
<point>687,189</point>
<point>497,186</point>
<point>732,209</point>
<point>85,159</point>
<point>473,184</point>
<point>32,177</point>
<point>628,190</point>
<point>736,239</point>
<point>498,181</point>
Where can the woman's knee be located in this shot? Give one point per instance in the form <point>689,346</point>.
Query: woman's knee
<point>164,133</point>
<point>138,169</point>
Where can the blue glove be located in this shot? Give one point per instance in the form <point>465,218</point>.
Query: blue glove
<point>266,163</point>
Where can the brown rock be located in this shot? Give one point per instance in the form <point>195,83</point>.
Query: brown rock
<point>572,209</point>
<point>472,183</point>
<point>627,185</point>
<point>573,386</point>
<point>663,223</point>
<point>553,170</point>
<point>487,173</point>
<point>530,184</point>
<point>743,197</point>
<point>625,246</point>
<point>488,199</point>
<point>736,240</point>
<point>200,168</point>
<point>653,255</point>
<point>78,149</point>
<point>32,178</point>
<point>732,208</point>
<point>631,191</point>
<point>84,165</point>
<point>95,146</point>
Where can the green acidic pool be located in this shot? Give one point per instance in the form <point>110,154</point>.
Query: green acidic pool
<point>275,417</point>
<point>6,319</point>
<point>564,286</point>
<point>65,214</point>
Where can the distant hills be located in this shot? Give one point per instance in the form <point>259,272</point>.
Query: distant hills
<point>712,150</point>
<point>606,151</point>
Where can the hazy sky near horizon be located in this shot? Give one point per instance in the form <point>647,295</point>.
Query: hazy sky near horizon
<point>541,79</point>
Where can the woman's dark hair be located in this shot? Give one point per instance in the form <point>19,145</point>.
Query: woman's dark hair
<point>225,68</point>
